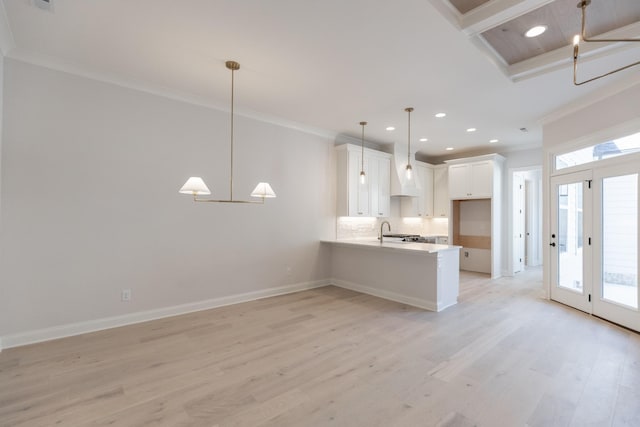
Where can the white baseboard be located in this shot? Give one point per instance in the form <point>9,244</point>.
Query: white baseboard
<point>393,296</point>
<point>62,331</point>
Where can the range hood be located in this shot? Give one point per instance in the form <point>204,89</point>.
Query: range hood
<point>400,186</point>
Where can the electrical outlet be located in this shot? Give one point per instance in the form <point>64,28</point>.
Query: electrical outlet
<point>125,295</point>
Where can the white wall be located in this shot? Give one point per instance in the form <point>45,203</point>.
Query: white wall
<point>90,173</point>
<point>607,114</point>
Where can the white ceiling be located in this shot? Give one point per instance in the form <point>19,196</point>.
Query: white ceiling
<point>322,64</point>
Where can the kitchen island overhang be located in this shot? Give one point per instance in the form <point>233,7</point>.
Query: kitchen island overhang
<point>419,274</point>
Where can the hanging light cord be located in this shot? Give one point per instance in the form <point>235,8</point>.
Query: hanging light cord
<point>233,70</point>
<point>362,145</point>
<point>409,110</point>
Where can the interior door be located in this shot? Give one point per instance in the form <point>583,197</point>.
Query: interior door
<point>571,253</point>
<point>616,253</point>
<point>518,223</point>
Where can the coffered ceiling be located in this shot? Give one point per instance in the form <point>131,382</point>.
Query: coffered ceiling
<point>563,21</point>
<point>324,66</point>
<point>499,27</point>
<point>465,6</point>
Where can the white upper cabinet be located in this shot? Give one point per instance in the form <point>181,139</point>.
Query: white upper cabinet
<point>441,192</point>
<point>471,180</point>
<point>380,185</point>
<point>422,205</point>
<point>371,199</point>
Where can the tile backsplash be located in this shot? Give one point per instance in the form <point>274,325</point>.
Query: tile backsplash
<point>368,228</point>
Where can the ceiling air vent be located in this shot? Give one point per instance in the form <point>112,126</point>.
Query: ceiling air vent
<point>44,4</point>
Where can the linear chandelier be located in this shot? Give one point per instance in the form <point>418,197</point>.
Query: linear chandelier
<point>576,47</point>
<point>195,185</point>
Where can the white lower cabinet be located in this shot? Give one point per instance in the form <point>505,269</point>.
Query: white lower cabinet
<point>371,199</point>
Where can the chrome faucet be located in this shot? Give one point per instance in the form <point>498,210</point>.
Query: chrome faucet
<point>381,227</point>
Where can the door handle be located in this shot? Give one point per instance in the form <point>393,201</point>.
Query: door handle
<point>552,244</point>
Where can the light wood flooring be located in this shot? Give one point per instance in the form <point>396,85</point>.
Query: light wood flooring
<point>332,357</point>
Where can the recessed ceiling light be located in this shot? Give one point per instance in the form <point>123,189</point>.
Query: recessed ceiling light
<point>423,139</point>
<point>493,140</point>
<point>390,128</point>
<point>441,115</point>
<point>536,31</point>
<point>449,148</point>
<point>471,130</point>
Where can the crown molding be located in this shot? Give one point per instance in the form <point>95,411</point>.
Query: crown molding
<point>599,95</point>
<point>56,64</point>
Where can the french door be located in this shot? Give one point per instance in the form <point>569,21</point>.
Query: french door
<point>615,266</point>
<point>571,221</point>
<point>594,242</point>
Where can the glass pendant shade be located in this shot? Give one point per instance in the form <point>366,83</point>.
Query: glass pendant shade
<point>264,190</point>
<point>409,172</point>
<point>363,178</point>
<point>195,186</point>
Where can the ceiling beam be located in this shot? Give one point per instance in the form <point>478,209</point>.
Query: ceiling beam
<point>496,12</point>
<point>562,57</point>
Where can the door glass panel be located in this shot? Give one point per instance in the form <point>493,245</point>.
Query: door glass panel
<point>620,239</point>
<point>570,236</point>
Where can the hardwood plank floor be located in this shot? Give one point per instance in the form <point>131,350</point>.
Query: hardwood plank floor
<point>502,357</point>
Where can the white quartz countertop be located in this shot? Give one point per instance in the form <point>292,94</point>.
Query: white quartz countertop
<point>399,246</point>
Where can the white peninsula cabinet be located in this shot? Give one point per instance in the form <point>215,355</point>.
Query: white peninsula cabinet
<point>371,199</point>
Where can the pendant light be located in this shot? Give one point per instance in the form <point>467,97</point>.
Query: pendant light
<point>576,47</point>
<point>363,176</point>
<point>195,185</point>
<point>409,169</point>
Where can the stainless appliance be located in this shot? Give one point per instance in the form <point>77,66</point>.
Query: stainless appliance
<point>414,238</point>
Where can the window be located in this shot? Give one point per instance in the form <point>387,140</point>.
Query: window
<point>617,147</point>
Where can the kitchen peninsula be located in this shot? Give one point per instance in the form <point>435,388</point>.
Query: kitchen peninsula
<point>419,274</point>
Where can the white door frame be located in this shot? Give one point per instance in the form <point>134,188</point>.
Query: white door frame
<point>538,211</point>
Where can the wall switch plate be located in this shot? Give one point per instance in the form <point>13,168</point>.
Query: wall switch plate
<point>125,295</point>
